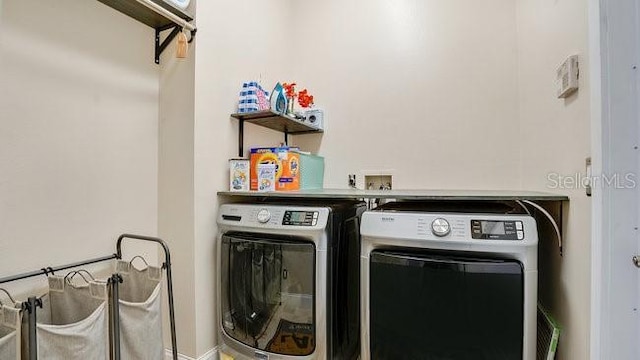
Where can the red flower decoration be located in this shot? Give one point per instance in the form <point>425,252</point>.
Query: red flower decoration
<point>304,99</point>
<point>290,89</point>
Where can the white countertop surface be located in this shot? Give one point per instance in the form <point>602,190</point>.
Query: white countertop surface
<point>406,194</point>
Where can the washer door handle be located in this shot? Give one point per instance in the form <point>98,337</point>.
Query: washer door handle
<point>636,261</point>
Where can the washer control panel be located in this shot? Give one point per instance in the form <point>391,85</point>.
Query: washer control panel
<point>263,216</point>
<point>300,218</point>
<point>274,217</point>
<point>440,227</point>
<point>497,230</point>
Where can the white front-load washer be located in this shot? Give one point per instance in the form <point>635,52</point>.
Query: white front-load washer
<point>449,280</point>
<point>288,279</point>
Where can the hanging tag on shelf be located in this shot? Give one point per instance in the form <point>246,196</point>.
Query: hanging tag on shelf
<point>183,44</point>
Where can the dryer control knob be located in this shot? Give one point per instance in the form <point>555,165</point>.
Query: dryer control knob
<point>440,227</point>
<point>264,216</point>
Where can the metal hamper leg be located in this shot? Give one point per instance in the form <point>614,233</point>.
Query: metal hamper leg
<point>115,282</point>
<point>31,306</point>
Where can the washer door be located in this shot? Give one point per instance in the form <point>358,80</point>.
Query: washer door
<point>268,293</point>
<point>427,306</point>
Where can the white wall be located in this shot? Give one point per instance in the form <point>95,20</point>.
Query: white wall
<point>78,132</point>
<point>444,94</point>
<point>458,94</point>
<point>447,94</point>
<point>237,41</point>
<point>425,88</point>
<point>555,138</point>
<point>176,186</point>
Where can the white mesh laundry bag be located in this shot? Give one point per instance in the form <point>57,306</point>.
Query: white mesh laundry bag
<point>140,312</point>
<point>73,322</point>
<point>10,324</point>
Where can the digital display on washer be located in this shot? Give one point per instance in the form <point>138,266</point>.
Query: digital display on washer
<point>497,230</point>
<point>300,218</point>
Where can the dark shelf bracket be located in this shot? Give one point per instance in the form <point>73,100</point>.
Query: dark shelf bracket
<point>162,45</point>
<point>241,138</point>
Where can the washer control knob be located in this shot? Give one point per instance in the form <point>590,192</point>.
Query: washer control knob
<point>440,227</point>
<point>264,216</point>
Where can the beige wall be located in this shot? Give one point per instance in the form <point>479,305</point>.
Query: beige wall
<point>555,138</point>
<point>176,187</point>
<point>78,133</point>
<point>237,41</point>
<point>426,89</point>
<point>455,94</point>
<point>445,94</point>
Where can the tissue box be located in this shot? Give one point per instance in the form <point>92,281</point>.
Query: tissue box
<point>295,170</point>
<point>311,171</point>
<point>252,98</point>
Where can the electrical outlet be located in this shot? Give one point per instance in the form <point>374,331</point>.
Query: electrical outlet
<point>352,181</point>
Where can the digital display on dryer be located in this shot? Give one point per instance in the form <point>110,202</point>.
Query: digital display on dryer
<point>492,227</point>
<point>497,230</point>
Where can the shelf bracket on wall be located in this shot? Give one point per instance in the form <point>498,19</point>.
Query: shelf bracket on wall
<point>241,138</point>
<point>162,45</point>
<point>159,15</point>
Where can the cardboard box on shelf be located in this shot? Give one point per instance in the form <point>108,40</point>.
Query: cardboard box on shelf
<point>295,170</point>
<point>238,175</point>
<point>266,177</point>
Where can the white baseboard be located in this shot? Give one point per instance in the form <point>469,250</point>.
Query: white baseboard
<point>209,355</point>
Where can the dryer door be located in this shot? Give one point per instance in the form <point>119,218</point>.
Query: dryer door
<point>268,292</point>
<point>427,306</point>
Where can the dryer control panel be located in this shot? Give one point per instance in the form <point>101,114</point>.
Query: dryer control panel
<point>466,230</point>
<point>497,230</point>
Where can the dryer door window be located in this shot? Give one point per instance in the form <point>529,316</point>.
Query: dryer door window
<point>268,293</point>
<point>427,306</point>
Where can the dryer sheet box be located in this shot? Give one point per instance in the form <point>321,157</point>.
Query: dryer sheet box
<point>239,174</point>
<point>295,170</point>
<point>266,177</point>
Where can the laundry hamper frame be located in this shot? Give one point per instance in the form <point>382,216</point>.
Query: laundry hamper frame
<point>30,306</point>
<point>167,266</point>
